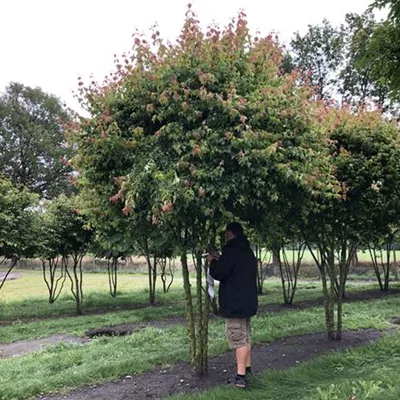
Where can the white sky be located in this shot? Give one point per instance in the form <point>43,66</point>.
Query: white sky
<point>49,43</point>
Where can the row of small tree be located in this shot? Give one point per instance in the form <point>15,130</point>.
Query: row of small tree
<point>56,233</point>
<point>185,137</point>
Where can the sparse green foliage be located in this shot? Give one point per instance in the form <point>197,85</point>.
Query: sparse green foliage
<point>319,55</point>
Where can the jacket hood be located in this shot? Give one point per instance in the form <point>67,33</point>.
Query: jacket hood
<point>239,242</point>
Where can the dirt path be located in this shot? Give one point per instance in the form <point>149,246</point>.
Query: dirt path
<point>158,384</point>
<point>26,346</point>
<point>11,276</point>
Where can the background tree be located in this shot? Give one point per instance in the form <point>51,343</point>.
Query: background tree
<point>18,224</point>
<point>363,151</point>
<point>75,241</point>
<point>32,142</point>
<point>319,56</point>
<point>367,151</point>
<point>49,250</point>
<point>359,85</point>
<point>385,47</point>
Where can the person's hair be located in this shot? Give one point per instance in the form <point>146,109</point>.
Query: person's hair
<point>235,228</point>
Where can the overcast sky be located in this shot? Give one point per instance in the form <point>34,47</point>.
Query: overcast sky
<point>49,43</point>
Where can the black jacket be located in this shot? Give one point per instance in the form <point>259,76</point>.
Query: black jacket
<point>236,270</point>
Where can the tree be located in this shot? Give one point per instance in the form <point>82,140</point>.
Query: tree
<point>32,143</point>
<point>187,136</point>
<point>18,224</point>
<point>360,86</point>
<point>319,56</point>
<point>341,63</point>
<point>48,249</point>
<point>167,267</point>
<point>385,46</point>
<point>75,239</point>
<point>364,151</point>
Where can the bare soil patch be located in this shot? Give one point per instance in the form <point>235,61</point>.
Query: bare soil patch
<point>128,329</point>
<point>161,383</point>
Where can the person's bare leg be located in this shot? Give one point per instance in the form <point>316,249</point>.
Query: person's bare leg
<point>248,358</point>
<point>242,355</point>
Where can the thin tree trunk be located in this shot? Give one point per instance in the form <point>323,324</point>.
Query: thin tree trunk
<point>205,318</point>
<point>76,280</point>
<point>51,282</point>
<point>375,264</point>
<point>151,270</point>
<point>189,306</point>
<point>331,298</point>
<point>395,266</point>
<point>387,270</point>
<point>199,315</point>
<point>328,299</point>
<point>112,269</point>
<point>154,278</point>
<point>14,261</point>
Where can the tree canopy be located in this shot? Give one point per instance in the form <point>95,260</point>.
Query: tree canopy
<point>32,143</point>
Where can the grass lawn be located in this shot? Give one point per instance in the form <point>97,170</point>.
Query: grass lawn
<point>102,310</point>
<point>363,256</point>
<point>27,297</point>
<point>65,366</point>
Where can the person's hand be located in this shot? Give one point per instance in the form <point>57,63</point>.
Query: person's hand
<point>212,256</point>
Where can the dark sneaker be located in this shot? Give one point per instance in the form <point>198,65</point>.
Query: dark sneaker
<point>238,381</point>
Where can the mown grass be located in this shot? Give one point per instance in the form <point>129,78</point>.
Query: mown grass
<point>26,297</point>
<point>103,310</point>
<point>31,284</point>
<point>77,326</point>
<point>67,366</point>
<point>368,372</point>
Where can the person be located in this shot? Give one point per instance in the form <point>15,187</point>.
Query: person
<point>236,270</point>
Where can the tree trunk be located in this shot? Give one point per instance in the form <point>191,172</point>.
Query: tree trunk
<point>151,271</point>
<point>329,292</point>
<point>14,261</point>
<point>388,265</point>
<point>189,307</point>
<point>395,266</point>
<point>163,273</point>
<point>112,269</point>
<point>205,318</point>
<point>289,271</point>
<point>76,280</point>
<point>51,281</point>
<point>154,278</point>
<point>200,363</point>
<point>375,264</point>
<point>275,263</point>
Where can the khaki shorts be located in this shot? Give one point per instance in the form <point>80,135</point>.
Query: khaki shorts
<point>237,332</point>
